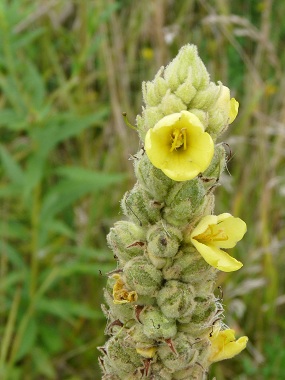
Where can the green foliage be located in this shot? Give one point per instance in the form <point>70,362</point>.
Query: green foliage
<point>67,71</point>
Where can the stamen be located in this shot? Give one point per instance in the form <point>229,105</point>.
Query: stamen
<point>183,130</point>
<point>179,138</point>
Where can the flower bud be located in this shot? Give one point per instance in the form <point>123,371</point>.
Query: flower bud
<point>139,207</point>
<point>140,275</point>
<point>205,98</point>
<point>171,104</point>
<point>202,319</point>
<point>185,355</point>
<point>176,299</point>
<point>184,201</point>
<point>188,266</point>
<point>122,357</point>
<point>217,165</point>
<point>138,337</point>
<point>163,240</point>
<point>186,65</point>
<point>195,372</point>
<point>158,262</point>
<point>107,369</point>
<point>152,179</point>
<point>160,372</point>
<point>202,116</point>
<point>204,310</point>
<point>155,90</point>
<point>156,325</point>
<point>186,91</point>
<point>126,239</point>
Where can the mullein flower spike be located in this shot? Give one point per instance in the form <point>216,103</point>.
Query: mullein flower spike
<point>164,320</point>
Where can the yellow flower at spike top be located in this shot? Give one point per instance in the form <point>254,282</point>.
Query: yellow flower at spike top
<point>216,232</point>
<point>179,146</point>
<point>224,346</point>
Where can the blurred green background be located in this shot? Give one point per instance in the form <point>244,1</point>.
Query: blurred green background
<point>68,69</point>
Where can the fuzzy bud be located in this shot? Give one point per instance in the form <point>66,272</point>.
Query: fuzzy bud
<point>139,207</point>
<point>156,325</point>
<point>184,201</point>
<point>189,266</point>
<point>126,239</point>
<point>158,262</point>
<point>140,275</point>
<point>154,91</point>
<point>201,322</point>
<point>160,372</point>
<point>163,240</point>
<point>186,65</point>
<point>122,357</point>
<point>152,179</point>
<point>216,167</point>
<point>184,356</point>
<point>176,299</point>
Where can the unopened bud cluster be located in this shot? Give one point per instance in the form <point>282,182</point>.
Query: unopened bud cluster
<point>162,313</point>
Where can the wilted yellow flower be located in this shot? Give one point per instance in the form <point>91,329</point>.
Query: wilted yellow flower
<point>224,346</point>
<point>215,232</point>
<point>178,145</point>
<point>120,294</point>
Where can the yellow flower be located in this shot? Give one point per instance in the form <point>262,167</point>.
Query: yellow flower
<point>215,232</point>
<point>120,294</point>
<point>224,346</point>
<point>148,352</point>
<point>178,145</point>
<point>229,106</point>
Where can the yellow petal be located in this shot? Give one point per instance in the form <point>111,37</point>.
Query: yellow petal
<point>180,171</point>
<point>201,150</point>
<point>234,105</point>
<point>191,119</point>
<point>216,257</point>
<point>234,228</point>
<point>204,224</point>
<point>224,346</point>
<point>168,121</point>
<point>157,146</point>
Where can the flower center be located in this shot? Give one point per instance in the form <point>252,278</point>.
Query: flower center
<point>178,137</point>
<point>212,234</point>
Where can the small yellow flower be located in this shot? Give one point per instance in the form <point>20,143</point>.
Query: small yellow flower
<point>148,352</point>
<point>147,53</point>
<point>120,294</point>
<point>224,346</point>
<point>178,145</point>
<point>229,106</point>
<point>215,232</point>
